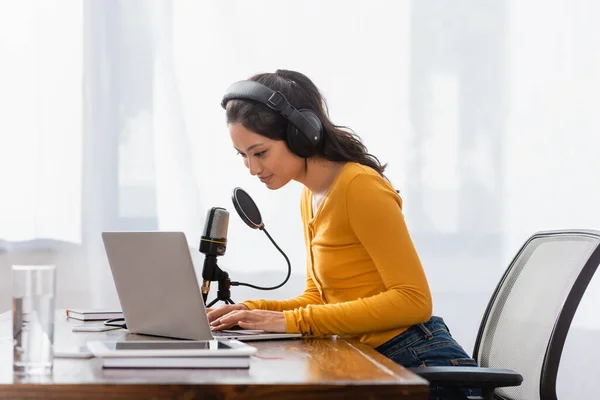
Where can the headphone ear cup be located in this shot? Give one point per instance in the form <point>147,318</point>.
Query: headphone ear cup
<point>314,121</point>
<point>293,142</point>
<point>299,142</point>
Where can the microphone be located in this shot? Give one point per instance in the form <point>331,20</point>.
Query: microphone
<point>249,213</point>
<point>213,244</point>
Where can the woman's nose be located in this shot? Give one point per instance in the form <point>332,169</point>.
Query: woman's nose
<point>254,167</point>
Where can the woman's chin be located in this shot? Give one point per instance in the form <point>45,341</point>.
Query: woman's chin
<point>274,184</point>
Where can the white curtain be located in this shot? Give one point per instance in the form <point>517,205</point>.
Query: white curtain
<point>40,120</point>
<point>485,112</point>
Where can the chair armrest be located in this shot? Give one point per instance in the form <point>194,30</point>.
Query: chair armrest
<point>469,376</point>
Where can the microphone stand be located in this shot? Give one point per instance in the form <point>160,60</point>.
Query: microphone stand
<point>211,273</point>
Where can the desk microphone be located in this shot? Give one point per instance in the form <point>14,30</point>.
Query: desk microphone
<point>213,243</point>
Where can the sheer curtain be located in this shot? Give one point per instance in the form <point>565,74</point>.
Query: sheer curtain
<point>40,138</point>
<point>40,123</point>
<point>483,110</point>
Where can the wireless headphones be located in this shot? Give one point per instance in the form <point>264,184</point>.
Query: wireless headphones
<point>304,129</point>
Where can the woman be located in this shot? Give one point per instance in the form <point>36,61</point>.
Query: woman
<point>363,276</point>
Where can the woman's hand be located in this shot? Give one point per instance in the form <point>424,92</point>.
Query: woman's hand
<point>215,313</point>
<point>269,321</point>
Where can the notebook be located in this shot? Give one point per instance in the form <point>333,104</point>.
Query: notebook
<point>158,288</point>
<point>93,315</point>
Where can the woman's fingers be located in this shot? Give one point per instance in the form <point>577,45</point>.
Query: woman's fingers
<point>231,319</point>
<point>215,313</point>
<point>218,325</point>
<point>219,312</point>
<point>271,321</point>
<point>250,325</point>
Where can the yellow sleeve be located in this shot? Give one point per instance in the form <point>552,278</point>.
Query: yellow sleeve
<point>375,216</point>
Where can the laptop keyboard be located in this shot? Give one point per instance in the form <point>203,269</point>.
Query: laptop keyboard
<point>223,334</point>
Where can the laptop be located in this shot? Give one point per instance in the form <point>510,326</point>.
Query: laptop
<point>158,290</point>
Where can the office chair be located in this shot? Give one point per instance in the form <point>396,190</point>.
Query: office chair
<point>527,320</point>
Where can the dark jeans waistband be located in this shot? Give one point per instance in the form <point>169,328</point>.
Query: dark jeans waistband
<point>428,328</point>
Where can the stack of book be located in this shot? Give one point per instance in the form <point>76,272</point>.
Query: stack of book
<point>93,315</point>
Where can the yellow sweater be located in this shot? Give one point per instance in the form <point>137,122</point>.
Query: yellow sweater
<point>363,275</point>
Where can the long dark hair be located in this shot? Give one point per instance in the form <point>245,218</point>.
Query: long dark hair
<point>339,142</point>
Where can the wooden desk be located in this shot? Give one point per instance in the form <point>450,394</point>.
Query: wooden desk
<point>284,369</point>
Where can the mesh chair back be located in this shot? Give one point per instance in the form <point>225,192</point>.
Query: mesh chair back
<point>527,320</point>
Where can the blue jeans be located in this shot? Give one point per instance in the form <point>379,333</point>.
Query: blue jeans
<point>429,345</point>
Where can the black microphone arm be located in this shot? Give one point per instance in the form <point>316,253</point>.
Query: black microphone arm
<point>250,214</point>
<point>269,287</point>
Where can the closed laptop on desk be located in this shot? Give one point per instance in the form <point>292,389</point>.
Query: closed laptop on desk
<point>158,289</point>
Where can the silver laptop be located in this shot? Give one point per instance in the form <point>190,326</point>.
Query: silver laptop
<point>158,290</point>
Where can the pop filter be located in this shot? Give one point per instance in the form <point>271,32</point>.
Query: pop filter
<point>247,209</point>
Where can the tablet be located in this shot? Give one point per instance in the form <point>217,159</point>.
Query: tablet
<point>170,348</point>
<point>94,328</point>
<point>72,352</point>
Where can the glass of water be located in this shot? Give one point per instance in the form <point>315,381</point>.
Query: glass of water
<point>33,318</point>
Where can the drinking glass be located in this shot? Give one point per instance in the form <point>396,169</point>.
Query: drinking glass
<point>33,318</point>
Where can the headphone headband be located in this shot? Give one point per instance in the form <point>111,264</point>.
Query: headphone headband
<point>275,100</point>
<point>247,90</point>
